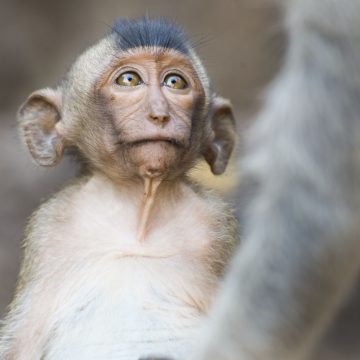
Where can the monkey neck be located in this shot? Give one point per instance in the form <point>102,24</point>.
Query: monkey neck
<point>147,191</point>
<point>151,187</point>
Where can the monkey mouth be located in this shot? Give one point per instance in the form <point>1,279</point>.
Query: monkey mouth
<point>171,141</point>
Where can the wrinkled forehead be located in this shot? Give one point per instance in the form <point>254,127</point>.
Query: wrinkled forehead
<point>162,58</point>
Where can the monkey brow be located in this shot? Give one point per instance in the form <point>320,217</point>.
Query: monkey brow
<point>145,32</point>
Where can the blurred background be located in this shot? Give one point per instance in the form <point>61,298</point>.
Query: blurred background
<point>241,44</point>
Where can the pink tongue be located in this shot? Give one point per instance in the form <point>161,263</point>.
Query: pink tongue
<point>151,186</point>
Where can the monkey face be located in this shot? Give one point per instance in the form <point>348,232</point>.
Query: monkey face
<point>143,111</point>
<point>151,97</point>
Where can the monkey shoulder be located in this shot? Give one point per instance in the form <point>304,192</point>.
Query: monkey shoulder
<point>222,222</point>
<point>43,227</point>
<point>53,211</point>
<point>222,213</point>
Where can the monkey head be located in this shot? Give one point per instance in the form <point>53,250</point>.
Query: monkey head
<point>136,104</point>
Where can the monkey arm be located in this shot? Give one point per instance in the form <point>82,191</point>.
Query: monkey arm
<point>22,337</point>
<point>22,340</point>
<point>301,253</point>
<point>27,325</point>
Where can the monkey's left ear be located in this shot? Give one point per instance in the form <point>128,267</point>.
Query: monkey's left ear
<point>218,151</point>
<point>39,119</point>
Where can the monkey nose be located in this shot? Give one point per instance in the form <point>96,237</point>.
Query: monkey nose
<point>159,119</point>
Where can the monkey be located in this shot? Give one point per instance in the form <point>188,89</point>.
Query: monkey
<point>123,262</point>
<point>300,252</point>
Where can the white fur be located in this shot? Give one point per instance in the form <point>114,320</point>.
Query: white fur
<point>99,293</point>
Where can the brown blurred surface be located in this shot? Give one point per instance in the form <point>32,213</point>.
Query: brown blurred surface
<point>240,43</point>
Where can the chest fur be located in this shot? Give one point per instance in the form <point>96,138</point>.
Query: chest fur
<point>120,291</point>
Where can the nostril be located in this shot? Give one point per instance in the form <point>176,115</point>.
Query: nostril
<point>162,119</point>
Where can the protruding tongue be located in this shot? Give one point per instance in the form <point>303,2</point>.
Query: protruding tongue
<point>151,186</point>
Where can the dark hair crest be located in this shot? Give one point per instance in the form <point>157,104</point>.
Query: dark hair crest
<point>146,32</point>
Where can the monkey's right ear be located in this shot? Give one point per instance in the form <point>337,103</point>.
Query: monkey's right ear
<point>39,119</point>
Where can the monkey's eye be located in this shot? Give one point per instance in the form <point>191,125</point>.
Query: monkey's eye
<point>175,81</point>
<point>129,78</point>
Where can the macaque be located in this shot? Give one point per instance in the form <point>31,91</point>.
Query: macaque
<point>124,262</point>
<point>300,252</point>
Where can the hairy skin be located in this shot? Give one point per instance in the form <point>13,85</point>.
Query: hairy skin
<point>161,288</point>
<point>124,262</point>
<point>301,250</point>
